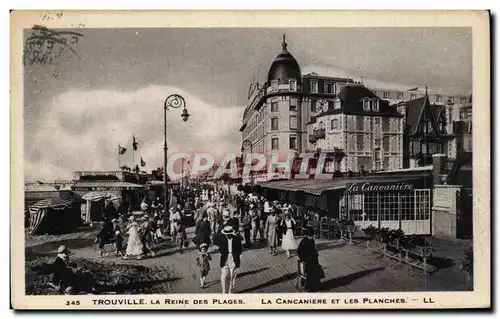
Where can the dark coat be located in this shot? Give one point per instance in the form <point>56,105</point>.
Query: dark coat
<point>63,274</point>
<point>222,242</point>
<point>202,232</point>
<point>307,251</point>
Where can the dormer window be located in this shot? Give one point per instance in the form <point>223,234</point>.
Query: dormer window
<point>336,104</point>
<point>366,104</point>
<point>293,85</point>
<point>314,86</point>
<point>375,106</point>
<point>274,85</point>
<point>329,87</point>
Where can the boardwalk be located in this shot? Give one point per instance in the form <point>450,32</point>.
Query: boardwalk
<point>348,268</point>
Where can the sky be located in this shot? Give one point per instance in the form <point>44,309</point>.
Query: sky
<point>78,109</point>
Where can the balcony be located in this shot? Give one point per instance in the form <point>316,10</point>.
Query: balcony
<point>319,133</point>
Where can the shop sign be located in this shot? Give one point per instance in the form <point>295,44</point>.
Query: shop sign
<point>379,187</point>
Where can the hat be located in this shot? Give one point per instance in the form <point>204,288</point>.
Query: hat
<point>171,209</point>
<point>228,230</point>
<point>309,231</point>
<point>114,220</point>
<point>63,250</point>
<point>226,213</point>
<point>117,232</point>
<point>204,245</point>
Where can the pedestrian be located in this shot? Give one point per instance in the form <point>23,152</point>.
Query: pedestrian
<point>119,249</point>
<point>175,218</point>
<point>288,225</point>
<point>271,234</point>
<point>146,236</point>
<point>230,251</point>
<point>134,244</point>
<point>183,242</point>
<point>246,225</point>
<point>308,256</point>
<point>254,215</point>
<point>203,261</point>
<point>202,231</point>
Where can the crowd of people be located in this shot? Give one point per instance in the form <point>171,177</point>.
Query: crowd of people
<point>230,223</point>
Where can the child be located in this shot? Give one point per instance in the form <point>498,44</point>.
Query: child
<point>203,261</point>
<point>119,251</point>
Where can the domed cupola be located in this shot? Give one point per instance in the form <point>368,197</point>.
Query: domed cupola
<point>284,67</point>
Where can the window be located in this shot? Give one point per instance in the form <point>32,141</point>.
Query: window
<point>439,98</point>
<point>293,104</point>
<point>360,142</point>
<point>274,106</point>
<point>314,86</point>
<point>336,104</point>
<point>313,106</point>
<point>451,99</point>
<point>375,104</point>
<point>463,100</point>
<point>399,96</point>
<point>394,144</point>
<point>293,122</point>
<point>389,206</point>
<point>293,85</point>
<point>329,87</point>
<point>274,144</point>
<point>366,104</point>
<point>413,96</point>
<point>293,142</point>
<point>367,124</point>
<point>274,85</point>
<point>334,124</point>
<point>450,115</point>
<point>274,124</point>
<point>386,95</point>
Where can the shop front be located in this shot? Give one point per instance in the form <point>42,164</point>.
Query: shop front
<point>398,204</point>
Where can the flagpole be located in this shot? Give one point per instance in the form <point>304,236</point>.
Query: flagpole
<point>133,151</point>
<point>119,157</point>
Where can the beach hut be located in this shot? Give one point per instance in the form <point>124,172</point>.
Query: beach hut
<point>55,215</point>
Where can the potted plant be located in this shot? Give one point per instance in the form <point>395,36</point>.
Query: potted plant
<point>370,232</point>
<point>396,237</point>
<point>384,235</point>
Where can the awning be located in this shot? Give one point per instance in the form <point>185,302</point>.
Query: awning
<point>96,196</point>
<point>373,183</point>
<point>106,185</point>
<point>55,203</point>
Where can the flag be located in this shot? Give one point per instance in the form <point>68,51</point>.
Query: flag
<point>121,150</point>
<point>142,162</point>
<point>134,143</point>
<point>413,89</point>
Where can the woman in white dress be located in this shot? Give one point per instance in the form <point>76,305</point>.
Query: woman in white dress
<point>134,244</point>
<point>288,243</point>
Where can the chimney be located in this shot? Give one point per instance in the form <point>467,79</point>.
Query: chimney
<point>438,163</point>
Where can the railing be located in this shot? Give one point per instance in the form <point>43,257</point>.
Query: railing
<point>319,133</point>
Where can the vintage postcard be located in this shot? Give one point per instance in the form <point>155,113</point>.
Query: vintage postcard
<point>250,160</point>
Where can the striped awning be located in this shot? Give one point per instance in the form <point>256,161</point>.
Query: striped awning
<point>55,203</point>
<point>106,185</point>
<point>311,186</point>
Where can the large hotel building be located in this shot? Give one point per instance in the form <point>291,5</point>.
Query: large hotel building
<point>362,128</point>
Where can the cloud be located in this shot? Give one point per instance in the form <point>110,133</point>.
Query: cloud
<point>81,130</point>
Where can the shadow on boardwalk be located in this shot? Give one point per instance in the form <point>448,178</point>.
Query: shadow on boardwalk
<point>286,277</point>
<point>240,275</point>
<point>346,280</point>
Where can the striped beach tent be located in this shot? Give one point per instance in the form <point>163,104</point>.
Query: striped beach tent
<point>55,215</point>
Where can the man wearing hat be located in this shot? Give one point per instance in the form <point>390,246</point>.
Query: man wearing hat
<point>308,255</point>
<point>175,218</point>
<point>65,278</point>
<point>230,251</point>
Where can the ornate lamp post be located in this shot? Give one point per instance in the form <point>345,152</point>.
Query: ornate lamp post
<point>246,144</point>
<point>172,101</point>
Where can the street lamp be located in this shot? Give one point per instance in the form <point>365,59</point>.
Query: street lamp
<point>174,101</point>
<point>246,144</point>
